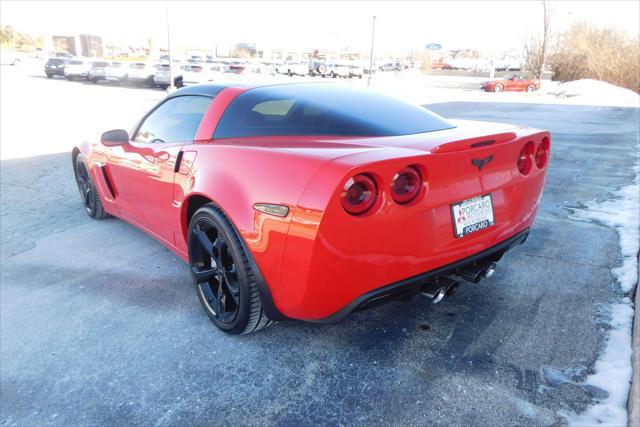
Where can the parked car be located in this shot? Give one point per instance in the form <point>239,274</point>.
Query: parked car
<point>509,68</point>
<point>55,67</point>
<point>390,66</point>
<point>356,71</point>
<point>141,74</point>
<point>441,66</point>
<point>291,68</point>
<point>338,70</point>
<point>281,184</point>
<point>161,76</point>
<point>116,72</point>
<point>514,82</point>
<point>97,72</point>
<point>250,72</point>
<point>194,73</point>
<point>77,69</point>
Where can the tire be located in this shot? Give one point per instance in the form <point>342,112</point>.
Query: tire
<point>49,76</point>
<point>531,88</point>
<point>178,83</point>
<point>289,73</point>
<point>94,80</point>
<point>498,88</point>
<point>222,274</point>
<point>88,193</point>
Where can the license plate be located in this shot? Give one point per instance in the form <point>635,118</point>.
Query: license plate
<point>472,215</point>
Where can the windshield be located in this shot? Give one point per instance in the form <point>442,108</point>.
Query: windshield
<point>508,77</point>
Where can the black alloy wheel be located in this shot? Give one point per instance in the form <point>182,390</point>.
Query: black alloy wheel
<point>224,280</point>
<point>88,194</point>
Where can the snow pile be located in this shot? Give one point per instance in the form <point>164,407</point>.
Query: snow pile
<point>613,368</point>
<point>596,92</point>
<point>612,372</point>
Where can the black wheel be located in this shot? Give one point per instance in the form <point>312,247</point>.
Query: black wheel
<point>163,87</point>
<point>531,88</point>
<point>88,194</point>
<point>289,73</point>
<point>49,76</point>
<point>222,274</point>
<point>498,88</point>
<point>94,80</point>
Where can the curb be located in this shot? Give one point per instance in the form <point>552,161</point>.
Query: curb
<point>634,395</point>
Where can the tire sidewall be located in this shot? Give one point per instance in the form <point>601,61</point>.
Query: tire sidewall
<point>498,88</point>
<point>211,213</point>
<point>94,194</point>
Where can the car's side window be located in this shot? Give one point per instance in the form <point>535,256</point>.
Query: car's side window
<point>176,120</point>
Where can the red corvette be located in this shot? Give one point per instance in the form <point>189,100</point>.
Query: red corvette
<point>310,201</point>
<point>512,82</point>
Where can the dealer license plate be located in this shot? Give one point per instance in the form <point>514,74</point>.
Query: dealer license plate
<point>472,215</point>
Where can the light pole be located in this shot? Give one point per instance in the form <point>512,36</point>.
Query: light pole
<point>373,34</point>
<point>171,86</point>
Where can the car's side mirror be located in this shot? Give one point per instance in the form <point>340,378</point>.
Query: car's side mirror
<point>111,138</point>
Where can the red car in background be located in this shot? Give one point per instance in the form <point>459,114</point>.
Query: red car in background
<point>514,82</point>
<point>309,201</point>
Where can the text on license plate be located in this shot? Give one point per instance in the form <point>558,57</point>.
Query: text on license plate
<point>472,215</point>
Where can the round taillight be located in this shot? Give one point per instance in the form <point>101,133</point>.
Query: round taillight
<point>359,194</point>
<point>524,158</point>
<point>542,153</point>
<point>406,185</point>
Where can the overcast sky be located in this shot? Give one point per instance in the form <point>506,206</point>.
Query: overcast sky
<point>493,26</point>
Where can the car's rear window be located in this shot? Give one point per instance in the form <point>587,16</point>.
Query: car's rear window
<point>56,61</point>
<point>75,62</point>
<point>100,64</point>
<point>137,65</point>
<point>320,109</point>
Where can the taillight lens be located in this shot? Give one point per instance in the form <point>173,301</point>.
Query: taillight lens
<point>524,158</point>
<point>406,185</point>
<point>542,153</point>
<point>359,194</point>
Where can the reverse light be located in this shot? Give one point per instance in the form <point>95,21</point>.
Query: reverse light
<point>359,194</point>
<point>406,185</point>
<point>542,153</point>
<point>525,163</point>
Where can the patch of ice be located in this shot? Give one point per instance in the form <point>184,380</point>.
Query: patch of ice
<point>613,367</point>
<point>596,90</point>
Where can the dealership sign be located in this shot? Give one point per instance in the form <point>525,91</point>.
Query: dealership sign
<point>433,46</point>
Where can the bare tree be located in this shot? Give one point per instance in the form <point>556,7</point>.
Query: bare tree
<point>537,47</point>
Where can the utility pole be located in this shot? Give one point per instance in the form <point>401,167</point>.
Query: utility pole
<point>171,86</point>
<point>373,33</point>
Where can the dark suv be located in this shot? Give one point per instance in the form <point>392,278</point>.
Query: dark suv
<point>55,67</point>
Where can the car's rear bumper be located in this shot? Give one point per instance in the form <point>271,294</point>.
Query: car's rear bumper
<point>412,285</point>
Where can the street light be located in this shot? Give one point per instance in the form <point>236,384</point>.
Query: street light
<point>373,33</point>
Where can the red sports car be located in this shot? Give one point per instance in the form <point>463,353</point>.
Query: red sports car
<point>309,201</point>
<point>514,82</point>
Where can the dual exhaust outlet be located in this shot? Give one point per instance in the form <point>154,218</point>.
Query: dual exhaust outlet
<point>438,288</point>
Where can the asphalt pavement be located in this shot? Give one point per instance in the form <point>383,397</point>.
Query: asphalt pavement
<point>99,323</point>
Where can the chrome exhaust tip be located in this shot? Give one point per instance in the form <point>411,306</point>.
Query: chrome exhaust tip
<point>490,270</point>
<point>438,288</point>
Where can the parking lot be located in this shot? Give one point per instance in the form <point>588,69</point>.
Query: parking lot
<point>100,323</point>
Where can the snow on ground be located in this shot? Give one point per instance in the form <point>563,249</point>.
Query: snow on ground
<point>613,367</point>
<point>597,92</point>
